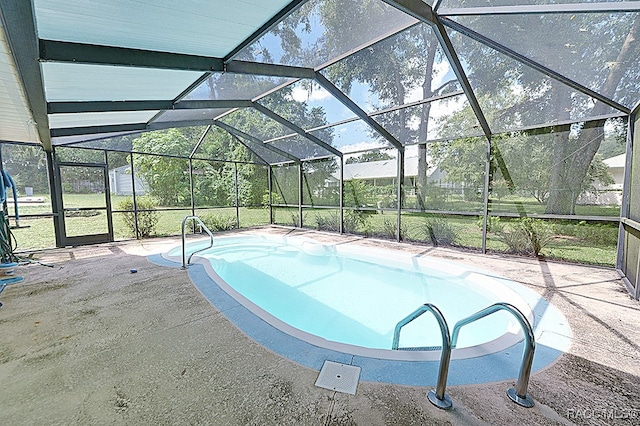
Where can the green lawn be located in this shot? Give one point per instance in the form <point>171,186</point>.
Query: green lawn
<point>573,242</point>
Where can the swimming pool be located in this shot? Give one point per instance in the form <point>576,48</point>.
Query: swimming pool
<point>470,365</point>
<point>349,299</point>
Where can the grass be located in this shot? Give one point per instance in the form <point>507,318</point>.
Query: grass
<point>572,241</point>
<point>509,204</point>
<point>578,242</point>
<point>38,232</point>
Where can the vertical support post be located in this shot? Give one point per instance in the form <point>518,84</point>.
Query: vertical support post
<point>636,294</point>
<point>624,208</point>
<point>237,201</point>
<point>270,188</point>
<point>133,191</point>
<point>56,198</point>
<point>400,195</point>
<point>341,195</point>
<point>191,188</point>
<point>487,183</point>
<point>107,196</point>
<point>300,178</point>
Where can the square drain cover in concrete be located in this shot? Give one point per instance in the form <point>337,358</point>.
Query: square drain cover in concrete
<point>339,377</point>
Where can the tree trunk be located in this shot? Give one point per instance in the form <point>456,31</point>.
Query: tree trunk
<point>558,201</point>
<point>571,166</point>
<point>421,179</point>
<point>588,145</point>
<point>423,129</point>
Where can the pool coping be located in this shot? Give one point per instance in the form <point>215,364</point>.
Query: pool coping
<point>484,368</point>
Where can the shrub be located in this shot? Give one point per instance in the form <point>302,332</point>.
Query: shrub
<point>276,198</point>
<point>295,219</point>
<point>525,236</point>
<point>492,221</point>
<point>217,222</point>
<point>357,193</point>
<point>355,219</point>
<point>147,216</point>
<point>330,222</point>
<point>390,228</point>
<point>440,231</point>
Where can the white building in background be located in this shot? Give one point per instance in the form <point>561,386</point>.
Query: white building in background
<point>616,168</point>
<point>121,184</point>
<point>608,194</point>
<point>385,172</point>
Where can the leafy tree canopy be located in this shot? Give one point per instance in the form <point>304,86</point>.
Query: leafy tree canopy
<point>369,156</point>
<point>27,165</point>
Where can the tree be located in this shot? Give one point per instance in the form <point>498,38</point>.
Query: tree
<point>214,181</point>
<point>573,161</point>
<point>529,97</point>
<point>614,142</point>
<point>386,69</point>
<point>463,162</point>
<point>394,69</point>
<point>521,164</point>
<point>255,123</point>
<point>27,165</point>
<point>167,177</point>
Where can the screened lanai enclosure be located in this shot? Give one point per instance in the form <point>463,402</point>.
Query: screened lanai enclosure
<point>507,126</point>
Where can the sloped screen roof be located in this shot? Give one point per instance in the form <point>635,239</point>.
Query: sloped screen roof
<point>296,80</point>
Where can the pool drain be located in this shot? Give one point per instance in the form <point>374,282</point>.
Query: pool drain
<point>339,377</point>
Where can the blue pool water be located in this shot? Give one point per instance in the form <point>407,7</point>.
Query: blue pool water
<point>355,297</point>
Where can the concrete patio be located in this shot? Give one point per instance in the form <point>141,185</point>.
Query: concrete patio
<point>86,341</point>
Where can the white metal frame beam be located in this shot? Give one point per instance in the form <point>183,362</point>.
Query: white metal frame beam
<point>20,30</point>
<point>543,9</point>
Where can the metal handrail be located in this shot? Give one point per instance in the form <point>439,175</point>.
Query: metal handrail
<point>519,393</point>
<point>437,397</point>
<point>186,261</point>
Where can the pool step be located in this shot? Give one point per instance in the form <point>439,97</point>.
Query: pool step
<point>421,348</point>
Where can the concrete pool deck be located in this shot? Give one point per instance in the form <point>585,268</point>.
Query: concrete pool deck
<point>88,342</point>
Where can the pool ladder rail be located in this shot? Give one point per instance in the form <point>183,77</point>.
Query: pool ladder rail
<point>186,262</point>
<point>439,398</point>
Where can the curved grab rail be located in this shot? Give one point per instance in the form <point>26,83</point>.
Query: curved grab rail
<point>437,397</point>
<point>519,393</point>
<point>186,261</point>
